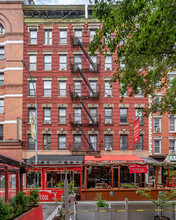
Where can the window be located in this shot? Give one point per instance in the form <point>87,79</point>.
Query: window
<point>172,146</point>
<point>77,88</point>
<point>2,30</point>
<point>158,83</point>
<point>108,88</point>
<point>1,132</point>
<point>33,36</point>
<point>31,112</point>
<point>47,88</point>
<point>32,88</point>
<point>94,59</point>
<point>31,143</point>
<point>93,113</point>
<point>78,61</point>
<point>139,145</point>
<point>78,34</point>
<point>157,100</point>
<point>171,77</point>
<point>126,91</point>
<point>62,88</point>
<point>139,114</point>
<point>1,53</point>
<point>48,37</point>
<point>78,115</point>
<point>47,62</point>
<point>123,142</point>
<point>108,140</point>
<point>1,105</point>
<point>108,38</point>
<point>32,62</point>
<point>62,62</point>
<point>62,116</point>
<point>157,124</point>
<point>1,79</point>
<point>92,34</point>
<point>62,142</point>
<point>93,85</point>
<point>123,115</point>
<point>33,179</point>
<point>46,115</point>
<point>46,142</point>
<point>157,146</point>
<point>139,92</point>
<point>63,37</point>
<point>172,125</point>
<point>93,142</point>
<point>77,142</point>
<point>108,62</point>
<point>108,115</point>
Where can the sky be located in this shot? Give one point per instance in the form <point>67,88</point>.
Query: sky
<point>60,2</point>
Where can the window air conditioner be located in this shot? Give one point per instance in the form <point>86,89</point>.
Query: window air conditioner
<point>108,148</point>
<point>108,121</point>
<point>157,129</point>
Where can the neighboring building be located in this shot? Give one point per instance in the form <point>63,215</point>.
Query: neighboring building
<point>11,77</point>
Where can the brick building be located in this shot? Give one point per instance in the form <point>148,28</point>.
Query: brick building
<point>11,77</point>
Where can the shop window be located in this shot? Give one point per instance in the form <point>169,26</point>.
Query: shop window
<point>1,53</point>
<point>93,142</point>
<point>47,88</point>
<point>63,37</point>
<point>62,116</point>
<point>61,176</point>
<point>93,85</point>
<point>1,105</point>
<point>94,59</point>
<point>1,132</point>
<point>47,62</point>
<point>31,112</point>
<point>62,62</point>
<point>108,62</point>
<point>62,88</point>
<point>77,142</point>
<point>33,179</point>
<point>108,116</point>
<point>47,115</point>
<point>92,34</point>
<point>32,62</point>
<point>78,61</point>
<point>78,34</point>
<point>172,124</point>
<point>62,142</point>
<point>78,115</point>
<point>157,146</point>
<point>31,143</point>
<point>157,124</point>
<point>123,115</point>
<point>48,37</point>
<point>139,114</point>
<point>2,30</point>
<point>77,88</point>
<point>31,88</point>
<point>123,142</point>
<point>126,91</point>
<point>172,146</point>
<point>139,145</point>
<point>93,113</point>
<point>108,141</point>
<point>46,142</point>
<point>1,79</point>
<point>108,89</point>
<point>33,36</point>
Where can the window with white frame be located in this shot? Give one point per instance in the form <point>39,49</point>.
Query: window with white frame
<point>139,114</point>
<point>139,92</point>
<point>47,115</point>
<point>1,79</point>
<point>123,115</point>
<point>32,62</point>
<point>139,145</point>
<point>108,38</point>
<point>77,88</point>
<point>92,34</point>
<point>47,88</point>
<point>157,146</point>
<point>78,61</point>
<point>1,105</point>
<point>172,143</point>
<point>2,30</point>
<point>31,113</point>
<point>93,85</point>
<point>78,34</point>
<point>46,142</point>
<point>108,142</point>
<point>48,37</point>
<point>33,36</point>
<point>93,142</point>
<point>126,90</point>
<point>108,116</point>
<point>78,115</point>
<point>123,142</point>
<point>62,88</point>
<point>62,142</point>
<point>77,142</point>
<point>62,116</point>
<point>108,62</point>
<point>63,37</point>
<point>108,88</point>
<point>31,88</point>
<point>1,53</point>
<point>94,59</point>
<point>62,62</point>
<point>93,113</point>
<point>171,77</point>
<point>157,101</point>
<point>172,124</point>
<point>157,124</point>
<point>47,62</point>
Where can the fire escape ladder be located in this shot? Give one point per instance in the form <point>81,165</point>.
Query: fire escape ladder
<point>85,52</point>
<point>85,80</point>
<point>90,145</point>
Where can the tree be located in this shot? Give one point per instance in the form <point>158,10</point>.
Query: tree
<point>144,39</point>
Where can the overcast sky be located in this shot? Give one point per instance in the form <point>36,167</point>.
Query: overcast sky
<point>60,2</point>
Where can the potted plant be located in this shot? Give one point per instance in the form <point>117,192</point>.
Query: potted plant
<point>102,208</point>
<point>163,201</point>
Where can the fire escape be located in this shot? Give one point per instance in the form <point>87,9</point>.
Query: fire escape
<point>88,92</point>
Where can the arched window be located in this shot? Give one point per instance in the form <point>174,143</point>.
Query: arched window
<point>2,30</point>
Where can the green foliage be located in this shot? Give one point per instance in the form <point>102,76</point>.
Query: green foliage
<point>34,197</point>
<point>20,203</point>
<point>5,211</point>
<point>71,187</point>
<point>144,37</point>
<point>127,185</point>
<point>100,203</point>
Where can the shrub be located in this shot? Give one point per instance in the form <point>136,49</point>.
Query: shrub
<point>34,197</point>
<point>5,210</point>
<point>20,203</point>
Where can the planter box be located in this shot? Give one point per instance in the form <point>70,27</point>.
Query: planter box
<point>35,213</point>
<point>103,214</point>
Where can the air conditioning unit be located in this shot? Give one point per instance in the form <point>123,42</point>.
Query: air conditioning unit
<point>63,68</point>
<point>108,121</point>
<point>107,68</point>
<point>108,93</point>
<point>157,129</point>
<point>108,148</point>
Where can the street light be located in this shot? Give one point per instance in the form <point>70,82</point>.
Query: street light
<point>36,152</point>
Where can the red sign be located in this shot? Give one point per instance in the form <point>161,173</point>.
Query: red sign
<point>135,168</point>
<point>136,131</point>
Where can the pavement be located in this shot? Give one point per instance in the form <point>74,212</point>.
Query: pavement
<point>48,209</point>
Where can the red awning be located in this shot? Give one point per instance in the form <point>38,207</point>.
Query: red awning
<point>112,159</point>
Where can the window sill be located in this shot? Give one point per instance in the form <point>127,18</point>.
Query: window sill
<point>108,124</point>
<point>62,70</point>
<point>108,70</point>
<point>125,96</point>
<point>32,44</point>
<point>46,96</point>
<point>47,70</point>
<point>62,96</point>
<point>123,123</point>
<point>108,96</point>
<point>62,44</point>
<point>157,132</point>
<point>158,153</point>
<point>31,96</point>
<point>172,132</point>
<point>46,123</point>
<point>61,123</point>
<point>62,149</point>
<point>139,96</point>
<point>47,45</point>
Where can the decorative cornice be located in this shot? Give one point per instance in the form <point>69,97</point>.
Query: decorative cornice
<point>108,105</point>
<point>139,105</point>
<point>124,105</point>
<point>46,105</point>
<point>76,105</point>
<point>62,131</point>
<point>93,105</point>
<point>62,105</point>
<point>30,105</point>
<point>124,131</point>
<point>108,131</point>
<point>92,131</point>
<point>46,131</point>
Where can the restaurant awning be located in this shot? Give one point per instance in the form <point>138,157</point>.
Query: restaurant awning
<point>112,159</point>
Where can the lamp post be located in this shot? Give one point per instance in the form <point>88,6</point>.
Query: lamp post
<point>36,151</point>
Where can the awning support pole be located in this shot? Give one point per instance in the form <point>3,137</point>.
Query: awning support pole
<point>112,176</point>
<point>119,176</point>
<point>85,180</point>
<point>156,177</point>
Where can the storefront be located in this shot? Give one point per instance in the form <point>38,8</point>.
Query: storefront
<point>50,171</point>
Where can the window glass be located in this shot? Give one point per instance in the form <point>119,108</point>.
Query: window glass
<point>172,146</point>
<point>108,140</point>
<point>123,115</point>
<point>33,179</point>
<point>78,115</point>
<point>32,88</point>
<point>47,88</point>
<point>1,105</point>
<point>93,113</point>
<point>157,122</point>
<point>1,53</point>
<point>171,124</point>
<point>2,30</point>
<point>108,88</point>
<point>31,143</point>
<point>32,62</point>
<point>1,79</point>
<point>93,85</point>
<point>108,115</point>
<point>48,37</point>
<point>33,37</point>
<point>47,115</point>
<point>157,146</point>
<point>108,62</point>
<point>62,115</point>
<point>46,142</point>
<point>78,34</point>
<point>139,145</point>
<point>123,142</point>
<point>62,62</point>
<point>126,91</point>
<point>1,132</point>
<point>139,114</point>
<point>47,62</point>
<point>93,141</point>
<point>77,88</point>
<point>92,34</point>
<point>62,88</point>
<point>78,61</point>
<point>77,142</point>
<point>94,59</point>
<point>63,36</point>
<point>31,112</point>
<point>62,142</point>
